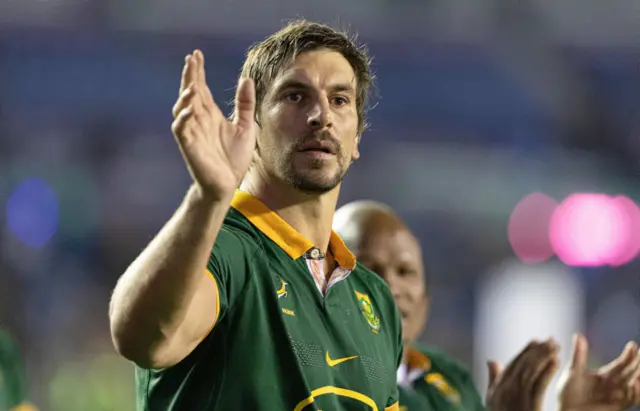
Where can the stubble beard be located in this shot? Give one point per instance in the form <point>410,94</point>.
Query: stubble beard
<point>313,179</point>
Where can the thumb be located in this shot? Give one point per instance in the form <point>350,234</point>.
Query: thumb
<point>245,106</point>
<point>580,352</point>
<point>495,369</point>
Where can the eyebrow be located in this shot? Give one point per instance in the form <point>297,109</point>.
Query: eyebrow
<point>296,84</point>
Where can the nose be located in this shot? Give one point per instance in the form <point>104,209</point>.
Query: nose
<point>393,284</point>
<point>319,116</point>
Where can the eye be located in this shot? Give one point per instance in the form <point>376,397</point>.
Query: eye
<point>340,101</point>
<point>407,272</point>
<point>293,97</point>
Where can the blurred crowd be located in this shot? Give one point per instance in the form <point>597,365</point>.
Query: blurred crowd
<point>464,127</point>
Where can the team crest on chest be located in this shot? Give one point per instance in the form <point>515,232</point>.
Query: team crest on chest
<point>437,380</point>
<point>283,291</point>
<point>367,311</point>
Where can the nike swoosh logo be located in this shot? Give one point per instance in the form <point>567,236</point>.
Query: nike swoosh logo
<point>333,363</point>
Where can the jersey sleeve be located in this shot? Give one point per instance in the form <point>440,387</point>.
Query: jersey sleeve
<point>472,391</point>
<point>230,266</point>
<point>393,404</point>
<point>468,386</point>
<point>12,372</point>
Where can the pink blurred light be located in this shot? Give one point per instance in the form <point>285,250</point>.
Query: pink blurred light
<point>631,219</point>
<point>528,228</point>
<point>594,229</point>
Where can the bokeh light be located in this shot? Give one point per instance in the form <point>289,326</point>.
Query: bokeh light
<point>629,249</point>
<point>33,212</point>
<point>593,230</point>
<point>528,228</point>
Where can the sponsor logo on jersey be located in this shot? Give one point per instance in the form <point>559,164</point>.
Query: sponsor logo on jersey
<point>334,362</point>
<point>367,311</point>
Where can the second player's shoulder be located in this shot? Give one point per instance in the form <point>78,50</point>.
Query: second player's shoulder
<point>371,282</point>
<point>443,362</point>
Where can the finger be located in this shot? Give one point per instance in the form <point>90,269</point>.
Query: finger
<point>185,99</point>
<point>179,124</point>
<point>187,73</point>
<point>626,357</point>
<point>495,370</point>
<point>245,104</point>
<point>208,101</point>
<point>627,373</point>
<point>545,353</point>
<point>532,364</point>
<point>542,381</point>
<point>201,75</point>
<point>633,385</point>
<point>518,367</point>
<point>580,352</point>
<point>192,96</point>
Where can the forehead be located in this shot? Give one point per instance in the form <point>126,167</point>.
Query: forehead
<point>392,245</point>
<point>319,68</point>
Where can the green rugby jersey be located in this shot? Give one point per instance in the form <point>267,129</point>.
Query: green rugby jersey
<point>437,382</point>
<point>285,338</point>
<point>12,377</point>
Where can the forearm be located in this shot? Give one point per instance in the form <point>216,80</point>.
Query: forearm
<point>151,302</point>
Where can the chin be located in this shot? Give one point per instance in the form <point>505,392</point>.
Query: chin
<point>314,187</point>
<point>315,181</point>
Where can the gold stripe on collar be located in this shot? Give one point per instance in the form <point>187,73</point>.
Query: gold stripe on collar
<point>285,236</point>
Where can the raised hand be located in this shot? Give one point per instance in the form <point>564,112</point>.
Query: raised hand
<point>613,387</point>
<point>522,384</point>
<point>217,151</point>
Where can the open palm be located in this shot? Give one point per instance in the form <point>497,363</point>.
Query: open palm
<point>218,151</point>
<point>613,387</point>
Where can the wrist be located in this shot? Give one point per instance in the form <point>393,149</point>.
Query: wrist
<point>198,197</point>
<point>208,209</point>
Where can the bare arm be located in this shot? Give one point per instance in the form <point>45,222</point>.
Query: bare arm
<point>164,304</point>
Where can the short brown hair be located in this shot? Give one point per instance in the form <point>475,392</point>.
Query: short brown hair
<point>266,59</point>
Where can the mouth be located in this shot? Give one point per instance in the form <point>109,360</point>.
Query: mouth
<point>324,147</point>
<point>404,315</point>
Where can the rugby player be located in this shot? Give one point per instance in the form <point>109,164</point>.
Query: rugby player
<point>13,378</point>
<point>430,379</point>
<point>246,299</point>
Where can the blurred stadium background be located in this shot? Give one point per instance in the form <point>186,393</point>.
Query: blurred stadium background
<point>481,104</point>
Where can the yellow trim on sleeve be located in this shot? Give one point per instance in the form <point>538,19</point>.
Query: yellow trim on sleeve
<point>394,407</point>
<point>25,406</point>
<point>215,283</point>
<point>285,236</point>
<point>215,320</point>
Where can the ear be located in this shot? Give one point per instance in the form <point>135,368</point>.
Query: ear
<point>356,149</point>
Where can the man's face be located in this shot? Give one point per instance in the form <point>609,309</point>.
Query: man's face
<point>395,255</point>
<point>309,122</point>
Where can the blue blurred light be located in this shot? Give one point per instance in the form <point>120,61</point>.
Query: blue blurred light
<point>33,212</point>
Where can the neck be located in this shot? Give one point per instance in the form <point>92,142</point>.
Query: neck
<point>309,214</point>
<point>405,353</point>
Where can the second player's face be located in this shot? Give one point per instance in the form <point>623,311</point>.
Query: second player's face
<point>309,122</point>
<point>395,255</point>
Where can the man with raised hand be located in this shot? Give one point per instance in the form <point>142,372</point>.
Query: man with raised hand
<point>247,299</point>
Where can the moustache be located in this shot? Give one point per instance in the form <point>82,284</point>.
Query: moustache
<point>325,138</point>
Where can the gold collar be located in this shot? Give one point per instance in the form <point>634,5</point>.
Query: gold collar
<point>285,236</point>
